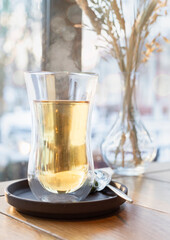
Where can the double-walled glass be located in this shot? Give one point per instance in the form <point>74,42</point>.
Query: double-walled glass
<point>60,164</point>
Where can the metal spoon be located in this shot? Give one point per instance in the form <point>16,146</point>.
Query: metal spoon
<point>102,179</point>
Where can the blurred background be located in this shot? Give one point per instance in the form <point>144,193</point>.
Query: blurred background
<point>44,35</point>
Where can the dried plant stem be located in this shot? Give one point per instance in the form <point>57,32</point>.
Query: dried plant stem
<point>137,55</point>
<point>124,24</point>
<point>88,11</point>
<point>146,15</point>
<point>117,49</point>
<point>128,121</point>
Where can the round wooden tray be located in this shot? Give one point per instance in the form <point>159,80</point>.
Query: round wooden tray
<point>19,195</point>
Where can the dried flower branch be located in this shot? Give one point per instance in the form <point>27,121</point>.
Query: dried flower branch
<point>119,16</point>
<point>109,22</point>
<point>92,16</point>
<point>104,13</point>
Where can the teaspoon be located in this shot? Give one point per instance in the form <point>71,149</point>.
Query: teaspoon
<point>103,179</point>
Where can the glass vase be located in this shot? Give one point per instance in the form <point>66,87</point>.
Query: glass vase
<point>128,147</point>
<point>60,165</point>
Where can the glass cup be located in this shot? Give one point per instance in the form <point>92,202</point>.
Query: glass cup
<point>60,165</point>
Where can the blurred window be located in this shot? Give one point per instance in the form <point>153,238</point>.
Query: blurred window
<point>21,49</point>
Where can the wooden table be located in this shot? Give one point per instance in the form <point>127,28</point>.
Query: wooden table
<point>147,218</point>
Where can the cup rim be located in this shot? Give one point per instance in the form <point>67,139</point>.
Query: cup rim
<point>90,74</point>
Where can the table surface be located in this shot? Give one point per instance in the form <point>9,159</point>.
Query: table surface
<point>147,218</point>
